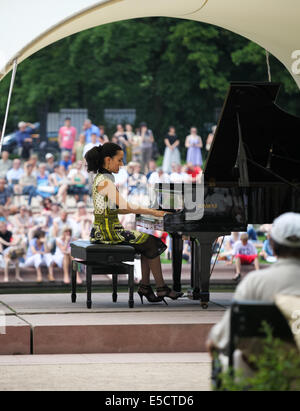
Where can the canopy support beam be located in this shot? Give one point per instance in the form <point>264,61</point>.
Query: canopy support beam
<point>12,82</point>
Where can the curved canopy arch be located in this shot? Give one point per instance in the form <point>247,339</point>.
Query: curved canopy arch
<point>28,26</point>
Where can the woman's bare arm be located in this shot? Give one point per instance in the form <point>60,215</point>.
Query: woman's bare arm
<point>124,207</point>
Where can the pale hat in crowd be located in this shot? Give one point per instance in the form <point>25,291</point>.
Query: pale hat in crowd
<point>49,155</point>
<point>286,230</point>
<point>21,124</point>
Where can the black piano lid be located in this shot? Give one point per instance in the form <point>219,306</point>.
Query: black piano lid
<point>264,127</point>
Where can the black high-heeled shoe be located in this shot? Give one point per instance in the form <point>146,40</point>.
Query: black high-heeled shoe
<point>147,292</point>
<point>168,292</point>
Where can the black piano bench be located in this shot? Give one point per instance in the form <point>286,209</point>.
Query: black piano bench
<point>102,259</point>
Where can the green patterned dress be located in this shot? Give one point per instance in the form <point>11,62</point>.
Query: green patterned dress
<point>107,228</point>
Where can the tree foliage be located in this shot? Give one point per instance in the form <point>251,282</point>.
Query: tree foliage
<point>172,71</point>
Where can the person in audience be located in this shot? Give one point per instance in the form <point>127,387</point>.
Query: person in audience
<point>84,221</point>
<point>15,173</point>
<point>147,141</point>
<point>23,221</point>
<point>38,254</point>
<point>66,160</point>
<point>194,145</point>
<point>172,153</point>
<point>35,164</point>
<point>89,129</point>
<point>44,187</point>
<point>27,183</point>
<point>103,137</point>
<point>50,162</point>
<point>62,256</point>
<point>159,176</point>
<point>281,278</point>
<point>137,182</point>
<point>78,179</point>
<point>136,143</point>
<point>193,171</point>
<point>59,180</point>
<point>63,220</point>
<point>130,134</point>
<point>67,136</point>
<point>7,244</point>
<point>176,176</point>
<point>5,164</point>
<point>5,194</point>
<point>244,253</point>
<point>152,168</point>
<point>267,253</point>
<point>79,148</point>
<point>93,143</point>
<point>24,139</point>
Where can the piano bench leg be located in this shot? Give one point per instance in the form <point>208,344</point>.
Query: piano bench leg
<point>89,287</point>
<point>131,287</point>
<point>73,275</point>
<point>115,288</point>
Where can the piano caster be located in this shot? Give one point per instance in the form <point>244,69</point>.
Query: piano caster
<point>115,298</point>
<point>204,305</point>
<point>89,304</point>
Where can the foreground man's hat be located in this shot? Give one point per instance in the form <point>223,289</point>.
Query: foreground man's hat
<point>286,230</point>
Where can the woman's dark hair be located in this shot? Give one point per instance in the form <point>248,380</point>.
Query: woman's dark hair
<point>39,234</point>
<point>284,251</point>
<point>95,157</point>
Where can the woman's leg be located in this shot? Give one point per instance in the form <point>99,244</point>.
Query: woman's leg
<point>155,266</point>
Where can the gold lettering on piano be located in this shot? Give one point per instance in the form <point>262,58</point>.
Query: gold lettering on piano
<point>208,206</point>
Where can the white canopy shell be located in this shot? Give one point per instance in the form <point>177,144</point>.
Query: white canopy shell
<point>29,25</point>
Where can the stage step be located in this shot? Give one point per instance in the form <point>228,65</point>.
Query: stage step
<point>50,324</point>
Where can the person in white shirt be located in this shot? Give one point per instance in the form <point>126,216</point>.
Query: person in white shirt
<point>15,173</point>
<point>94,143</point>
<point>159,176</point>
<point>245,253</point>
<point>281,278</point>
<point>62,256</point>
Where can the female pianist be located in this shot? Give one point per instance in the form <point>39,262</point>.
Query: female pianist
<point>107,229</point>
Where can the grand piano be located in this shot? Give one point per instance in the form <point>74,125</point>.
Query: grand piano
<point>252,175</point>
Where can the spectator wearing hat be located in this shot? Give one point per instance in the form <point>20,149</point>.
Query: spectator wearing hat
<point>283,277</point>
<point>24,139</point>
<point>5,164</point>
<point>50,162</point>
<point>67,136</point>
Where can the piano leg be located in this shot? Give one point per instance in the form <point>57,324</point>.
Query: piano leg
<point>177,248</point>
<point>202,254</point>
